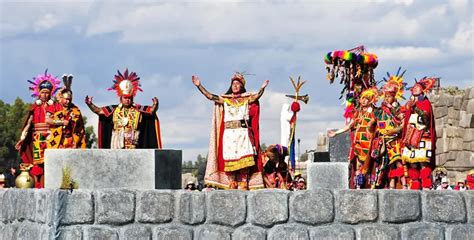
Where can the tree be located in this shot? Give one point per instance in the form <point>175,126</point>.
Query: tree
<point>11,124</point>
<point>304,157</point>
<point>200,167</point>
<point>91,138</point>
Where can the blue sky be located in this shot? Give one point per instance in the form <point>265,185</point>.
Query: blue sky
<point>166,42</point>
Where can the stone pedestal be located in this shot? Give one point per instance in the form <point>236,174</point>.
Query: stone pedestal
<point>329,175</point>
<point>114,168</point>
<point>339,147</point>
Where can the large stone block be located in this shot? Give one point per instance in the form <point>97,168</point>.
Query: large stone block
<point>226,207</point>
<point>114,168</point>
<point>466,120</point>
<point>333,175</point>
<point>378,231</point>
<point>212,232</point>
<point>457,102</point>
<point>422,231</point>
<point>312,207</point>
<point>155,206</point>
<point>135,232</point>
<point>192,207</point>
<point>27,231</point>
<point>332,232</point>
<point>2,204</point>
<point>339,147</point>
<point>100,232</point>
<point>77,207</point>
<point>468,135</point>
<point>470,106</point>
<point>469,197</point>
<point>435,206</point>
<point>455,144</point>
<point>25,204</point>
<point>399,206</point>
<point>114,206</point>
<point>172,232</point>
<point>440,112</point>
<point>249,232</point>
<point>268,207</point>
<point>453,113</point>
<point>9,231</point>
<point>70,233</point>
<point>356,206</point>
<point>460,232</point>
<point>453,132</point>
<point>45,205</point>
<point>288,232</point>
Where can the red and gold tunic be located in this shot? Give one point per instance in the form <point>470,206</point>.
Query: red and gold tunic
<point>363,129</point>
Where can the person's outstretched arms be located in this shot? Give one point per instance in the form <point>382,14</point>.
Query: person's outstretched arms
<point>92,106</point>
<point>208,95</point>
<point>257,96</point>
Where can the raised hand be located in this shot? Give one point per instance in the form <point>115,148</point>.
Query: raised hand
<point>88,100</point>
<point>196,81</point>
<point>265,83</point>
<point>331,133</point>
<point>155,101</point>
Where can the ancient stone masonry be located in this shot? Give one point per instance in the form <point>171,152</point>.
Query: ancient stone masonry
<point>262,214</point>
<point>453,110</point>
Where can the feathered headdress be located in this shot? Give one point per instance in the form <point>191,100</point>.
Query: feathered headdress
<point>426,83</point>
<point>43,82</point>
<point>371,94</point>
<point>66,90</point>
<point>394,84</point>
<point>239,76</point>
<point>126,84</point>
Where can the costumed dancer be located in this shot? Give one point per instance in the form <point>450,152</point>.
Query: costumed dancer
<point>66,125</point>
<point>234,159</point>
<point>363,127</point>
<point>127,125</point>
<point>387,143</point>
<point>275,169</point>
<point>33,140</point>
<point>419,135</point>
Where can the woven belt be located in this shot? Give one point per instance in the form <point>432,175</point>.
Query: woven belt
<point>236,124</point>
<point>41,127</point>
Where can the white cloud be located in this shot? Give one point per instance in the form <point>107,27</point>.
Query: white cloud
<point>45,22</point>
<point>463,39</point>
<point>407,53</point>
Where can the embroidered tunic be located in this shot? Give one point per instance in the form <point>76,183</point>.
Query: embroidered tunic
<point>125,133</point>
<point>238,151</point>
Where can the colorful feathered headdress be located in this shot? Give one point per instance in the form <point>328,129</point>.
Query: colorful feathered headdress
<point>44,82</point>
<point>426,83</point>
<point>239,76</point>
<point>126,84</point>
<point>371,94</point>
<point>394,85</point>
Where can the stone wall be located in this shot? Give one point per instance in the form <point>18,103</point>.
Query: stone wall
<point>263,214</point>
<point>453,111</point>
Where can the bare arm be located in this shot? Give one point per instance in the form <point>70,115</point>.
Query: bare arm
<point>257,96</point>
<point>24,133</point>
<point>342,130</point>
<point>93,107</point>
<point>208,95</point>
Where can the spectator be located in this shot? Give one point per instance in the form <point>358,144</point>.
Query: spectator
<point>444,184</point>
<point>11,172</point>
<point>275,169</point>
<point>460,185</point>
<point>191,186</point>
<point>207,188</point>
<point>301,184</point>
<point>440,172</point>
<point>470,180</point>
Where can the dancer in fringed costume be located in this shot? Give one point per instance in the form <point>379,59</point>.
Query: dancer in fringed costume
<point>33,140</point>
<point>388,164</point>
<point>362,125</point>
<point>127,125</point>
<point>235,159</point>
<point>419,135</point>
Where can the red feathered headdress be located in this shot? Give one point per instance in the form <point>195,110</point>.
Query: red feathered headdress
<point>126,84</point>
